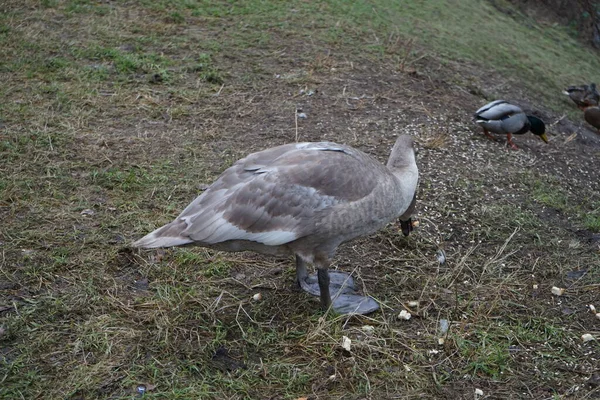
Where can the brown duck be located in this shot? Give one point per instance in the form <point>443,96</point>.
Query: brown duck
<point>303,199</point>
<point>592,116</point>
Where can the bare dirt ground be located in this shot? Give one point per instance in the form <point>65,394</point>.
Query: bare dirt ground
<point>82,316</point>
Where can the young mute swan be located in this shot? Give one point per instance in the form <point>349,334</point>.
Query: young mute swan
<point>303,199</point>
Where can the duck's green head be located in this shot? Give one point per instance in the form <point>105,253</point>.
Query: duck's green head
<point>537,127</point>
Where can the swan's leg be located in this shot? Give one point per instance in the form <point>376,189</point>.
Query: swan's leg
<point>338,281</point>
<point>405,219</point>
<point>323,275</point>
<point>343,301</point>
<point>406,227</point>
<point>334,287</point>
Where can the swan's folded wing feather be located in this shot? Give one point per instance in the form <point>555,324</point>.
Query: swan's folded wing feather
<point>272,198</point>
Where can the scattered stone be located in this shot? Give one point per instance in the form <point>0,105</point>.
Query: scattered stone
<point>587,337</point>
<point>444,326</point>
<point>257,297</point>
<point>413,303</point>
<point>88,212</point>
<point>346,343</point>
<point>404,315</point>
<point>478,393</point>
<point>302,115</point>
<point>557,291</point>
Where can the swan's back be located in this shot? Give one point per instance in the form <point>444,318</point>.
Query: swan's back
<point>295,193</point>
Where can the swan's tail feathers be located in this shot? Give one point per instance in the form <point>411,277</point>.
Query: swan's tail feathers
<point>165,236</point>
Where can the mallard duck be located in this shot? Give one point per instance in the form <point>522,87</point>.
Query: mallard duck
<point>584,95</point>
<point>504,118</point>
<point>303,199</point>
<point>592,116</point>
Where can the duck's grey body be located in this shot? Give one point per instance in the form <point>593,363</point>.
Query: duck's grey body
<point>504,118</point>
<point>302,198</point>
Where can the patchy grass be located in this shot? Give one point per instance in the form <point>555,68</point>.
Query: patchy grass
<point>117,115</point>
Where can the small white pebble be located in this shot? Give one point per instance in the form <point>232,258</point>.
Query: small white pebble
<point>478,392</point>
<point>441,341</point>
<point>332,377</point>
<point>405,315</point>
<point>302,115</point>
<point>587,337</point>
<point>535,286</point>
<point>598,315</point>
<point>346,343</point>
<point>592,308</point>
<point>413,303</point>
<point>433,352</point>
<point>557,291</point>
<point>257,297</point>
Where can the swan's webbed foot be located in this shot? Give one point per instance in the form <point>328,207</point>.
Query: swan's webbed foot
<point>339,282</point>
<point>336,289</point>
<point>354,304</point>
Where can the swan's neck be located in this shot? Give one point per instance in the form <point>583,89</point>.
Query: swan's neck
<point>407,177</point>
<point>404,167</point>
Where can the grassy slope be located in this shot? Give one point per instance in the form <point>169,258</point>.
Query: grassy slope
<point>85,129</point>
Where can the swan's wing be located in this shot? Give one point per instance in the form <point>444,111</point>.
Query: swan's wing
<point>271,197</point>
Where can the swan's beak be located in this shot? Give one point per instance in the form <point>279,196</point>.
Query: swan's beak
<point>544,137</point>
